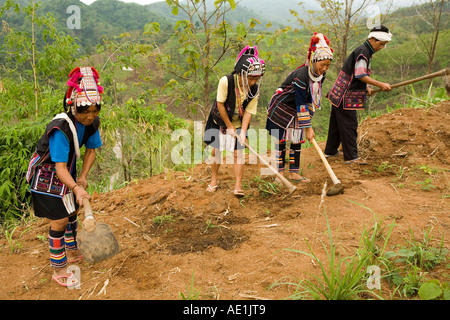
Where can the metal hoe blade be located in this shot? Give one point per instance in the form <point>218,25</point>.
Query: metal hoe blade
<point>98,245</point>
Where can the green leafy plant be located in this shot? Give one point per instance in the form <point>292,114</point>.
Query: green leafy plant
<point>161,220</point>
<point>191,292</point>
<point>434,290</point>
<point>342,278</point>
<point>407,266</point>
<point>17,143</point>
<point>427,169</point>
<point>411,280</point>
<point>14,245</point>
<point>210,225</point>
<point>420,253</point>
<point>383,167</point>
<point>266,188</point>
<point>370,241</point>
<point>42,238</point>
<point>427,184</point>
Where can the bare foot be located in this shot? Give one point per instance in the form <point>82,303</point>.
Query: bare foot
<point>64,278</point>
<point>74,256</point>
<point>297,178</point>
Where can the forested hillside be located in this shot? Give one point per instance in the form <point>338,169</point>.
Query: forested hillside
<point>112,17</point>
<point>160,72</point>
<point>384,236</point>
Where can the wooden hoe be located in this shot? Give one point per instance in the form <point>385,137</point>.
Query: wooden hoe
<point>97,241</point>
<point>285,181</point>
<point>337,188</point>
<point>443,72</point>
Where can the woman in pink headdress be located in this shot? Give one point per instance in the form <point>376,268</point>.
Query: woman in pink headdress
<point>57,190</point>
<point>293,104</point>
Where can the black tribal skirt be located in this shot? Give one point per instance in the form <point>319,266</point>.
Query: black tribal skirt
<point>53,208</point>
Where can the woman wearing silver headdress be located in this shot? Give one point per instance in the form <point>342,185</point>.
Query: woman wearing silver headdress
<point>235,103</point>
<point>56,189</point>
<point>293,104</point>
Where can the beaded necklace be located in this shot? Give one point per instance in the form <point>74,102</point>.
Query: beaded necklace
<point>238,95</point>
<point>315,86</point>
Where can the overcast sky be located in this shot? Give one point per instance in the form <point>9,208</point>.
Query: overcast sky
<point>396,2</point>
<point>135,1</point>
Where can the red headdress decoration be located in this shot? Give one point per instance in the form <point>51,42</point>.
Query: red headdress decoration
<point>319,48</point>
<point>85,81</point>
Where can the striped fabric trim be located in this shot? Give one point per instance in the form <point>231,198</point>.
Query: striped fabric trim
<point>280,154</point>
<point>284,115</point>
<point>300,84</point>
<point>278,112</point>
<point>70,236</point>
<point>33,161</point>
<point>303,116</point>
<point>58,257</point>
<point>295,135</point>
<point>293,167</point>
<point>280,161</point>
<point>69,202</point>
<point>361,69</point>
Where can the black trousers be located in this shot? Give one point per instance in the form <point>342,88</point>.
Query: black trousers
<point>343,129</point>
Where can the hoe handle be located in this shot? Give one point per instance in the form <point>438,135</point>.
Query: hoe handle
<point>325,162</point>
<point>443,72</point>
<point>89,222</point>
<point>285,181</point>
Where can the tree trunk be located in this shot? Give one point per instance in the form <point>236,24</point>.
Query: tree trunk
<point>150,163</point>
<point>436,24</point>
<point>33,64</point>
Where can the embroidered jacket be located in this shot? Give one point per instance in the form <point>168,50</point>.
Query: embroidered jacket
<point>348,90</point>
<point>42,152</point>
<point>230,103</point>
<point>290,105</point>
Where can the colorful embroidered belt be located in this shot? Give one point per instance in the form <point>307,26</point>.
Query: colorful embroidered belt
<point>355,100</point>
<point>46,181</point>
<point>340,87</point>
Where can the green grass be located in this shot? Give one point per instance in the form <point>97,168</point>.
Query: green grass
<point>342,278</point>
<point>191,292</point>
<point>404,271</point>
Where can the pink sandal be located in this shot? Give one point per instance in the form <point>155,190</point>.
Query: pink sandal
<point>71,281</point>
<point>79,258</point>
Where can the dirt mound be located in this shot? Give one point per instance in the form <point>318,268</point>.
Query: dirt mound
<point>171,231</point>
<point>408,136</point>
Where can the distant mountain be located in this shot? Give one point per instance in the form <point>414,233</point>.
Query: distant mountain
<point>113,17</point>
<point>278,11</point>
<point>264,11</point>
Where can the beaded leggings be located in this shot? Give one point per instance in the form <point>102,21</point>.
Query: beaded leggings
<point>60,241</point>
<point>294,156</point>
